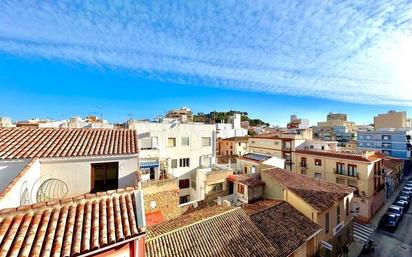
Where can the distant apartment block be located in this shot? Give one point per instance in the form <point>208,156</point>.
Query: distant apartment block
<point>231,129</point>
<point>296,123</point>
<point>336,128</point>
<point>392,119</point>
<point>394,143</point>
<point>184,115</point>
<point>362,171</point>
<point>74,122</point>
<point>5,122</point>
<point>229,148</point>
<point>281,145</point>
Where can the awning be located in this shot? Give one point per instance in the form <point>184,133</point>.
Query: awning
<point>148,164</point>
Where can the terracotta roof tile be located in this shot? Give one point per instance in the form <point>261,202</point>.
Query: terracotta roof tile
<point>320,194</point>
<point>342,155</point>
<point>283,225</point>
<point>69,228</point>
<point>246,180</point>
<point>218,231</point>
<point>16,143</point>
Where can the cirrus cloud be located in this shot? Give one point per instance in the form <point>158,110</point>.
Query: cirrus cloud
<point>352,51</point>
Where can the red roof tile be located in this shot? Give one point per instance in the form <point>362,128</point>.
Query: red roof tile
<point>69,227</point>
<point>16,143</point>
<point>319,194</point>
<point>246,180</point>
<point>343,155</point>
<point>283,225</point>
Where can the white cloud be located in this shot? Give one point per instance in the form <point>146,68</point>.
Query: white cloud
<point>342,50</point>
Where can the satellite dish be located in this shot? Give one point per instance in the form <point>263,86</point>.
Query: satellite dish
<point>195,205</point>
<point>153,204</point>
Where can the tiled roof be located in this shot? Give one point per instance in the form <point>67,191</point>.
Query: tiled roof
<point>342,155</point>
<point>283,225</point>
<point>236,139</point>
<point>219,232</point>
<point>318,193</point>
<point>69,227</point>
<point>16,143</point>
<point>246,180</point>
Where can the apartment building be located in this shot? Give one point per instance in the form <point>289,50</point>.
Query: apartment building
<point>278,144</point>
<point>362,171</point>
<point>327,204</point>
<point>296,123</point>
<point>231,129</point>
<point>176,149</point>
<point>5,122</point>
<point>45,164</point>
<point>229,148</point>
<point>336,128</point>
<point>392,119</point>
<point>184,115</point>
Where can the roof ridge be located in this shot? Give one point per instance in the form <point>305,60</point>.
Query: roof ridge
<point>68,200</point>
<point>194,223</point>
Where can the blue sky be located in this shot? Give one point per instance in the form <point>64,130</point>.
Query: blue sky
<point>270,58</point>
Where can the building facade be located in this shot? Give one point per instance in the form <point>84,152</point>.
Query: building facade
<point>336,128</point>
<point>281,145</point>
<point>327,204</point>
<point>231,129</point>
<point>176,149</point>
<point>362,171</point>
<point>392,119</point>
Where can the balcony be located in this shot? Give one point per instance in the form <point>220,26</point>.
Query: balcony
<point>342,172</point>
<point>149,153</point>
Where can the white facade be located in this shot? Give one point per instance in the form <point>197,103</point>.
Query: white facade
<point>73,173</point>
<point>5,122</point>
<point>175,148</point>
<point>232,129</point>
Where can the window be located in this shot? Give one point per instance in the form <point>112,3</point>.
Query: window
<point>184,199</point>
<point>193,182</point>
<point>174,164</point>
<point>240,144</point>
<point>217,187</point>
<point>183,183</point>
<point>240,189</point>
<point>340,168</point>
<point>206,141</point>
<point>352,170</point>
<point>231,152</point>
<point>386,137</point>
<point>347,207</point>
<point>185,141</point>
<point>104,176</point>
<point>318,175</point>
<point>318,162</point>
<point>171,142</point>
<point>327,223</point>
<point>386,145</point>
<point>303,162</point>
<point>184,162</point>
<point>337,214</point>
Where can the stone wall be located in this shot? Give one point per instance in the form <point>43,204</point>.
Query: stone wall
<point>166,195</point>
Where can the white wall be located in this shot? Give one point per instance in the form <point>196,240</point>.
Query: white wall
<point>177,130</point>
<point>76,172</point>
<point>27,183</point>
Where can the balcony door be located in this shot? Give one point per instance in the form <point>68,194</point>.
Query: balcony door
<point>104,176</point>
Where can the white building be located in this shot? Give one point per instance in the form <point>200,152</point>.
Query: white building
<point>231,129</point>
<point>177,149</point>
<point>45,164</point>
<point>5,122</point>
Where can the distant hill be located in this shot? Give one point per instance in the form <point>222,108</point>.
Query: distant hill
<point>216,117</point>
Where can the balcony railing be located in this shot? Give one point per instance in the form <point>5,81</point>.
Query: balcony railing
<point>342,172</point>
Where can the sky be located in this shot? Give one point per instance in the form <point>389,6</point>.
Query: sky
<point>271,59</point>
